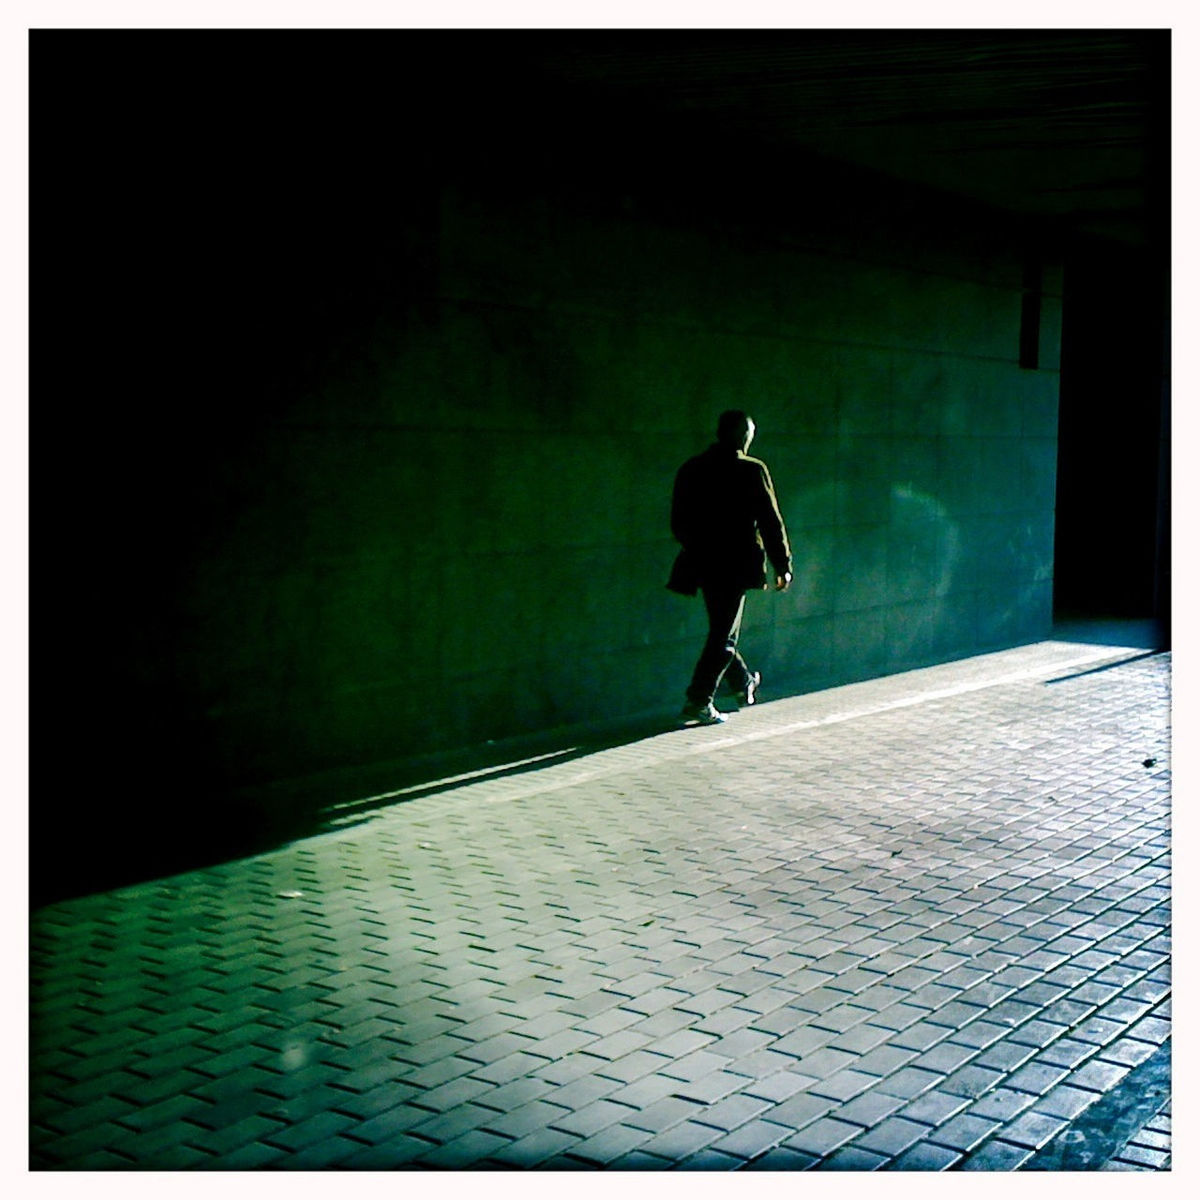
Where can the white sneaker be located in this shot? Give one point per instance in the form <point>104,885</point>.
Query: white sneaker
<point>702,714</point>
<point>748,695</point>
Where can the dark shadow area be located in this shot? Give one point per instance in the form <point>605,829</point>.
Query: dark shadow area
<point>1102,1130</point>
<point>1112,516</point>
<point>197,831</point>
<point>486,763</point>
<point>1109,666</point>
<point>189,824</point>
<point>1145,634</point>
<point>248,242</point>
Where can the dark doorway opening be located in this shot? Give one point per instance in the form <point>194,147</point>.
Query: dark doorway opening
<point>1112,524</point>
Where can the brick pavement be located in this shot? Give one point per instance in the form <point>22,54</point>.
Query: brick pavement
<point>918,923</point>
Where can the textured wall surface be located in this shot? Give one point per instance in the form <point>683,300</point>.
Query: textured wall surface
<point>460,533</point>
<point>374,421</point>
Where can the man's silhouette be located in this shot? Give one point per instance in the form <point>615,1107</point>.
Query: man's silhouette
<point>725,516</point>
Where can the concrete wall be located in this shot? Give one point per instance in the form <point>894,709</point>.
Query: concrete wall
<point>373,421</point>
<point>459,533</point>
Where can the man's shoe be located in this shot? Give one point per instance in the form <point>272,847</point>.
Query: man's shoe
<point>749,694</point>
<point>704,714</point>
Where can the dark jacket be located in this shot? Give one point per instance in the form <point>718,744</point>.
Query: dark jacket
<point>725,516</point>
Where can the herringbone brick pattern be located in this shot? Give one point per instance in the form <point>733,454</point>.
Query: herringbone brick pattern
<point>918,924</point>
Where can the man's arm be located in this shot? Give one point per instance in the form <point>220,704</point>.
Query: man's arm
<point>774,535</point>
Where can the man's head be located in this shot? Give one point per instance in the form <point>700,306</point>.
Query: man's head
<point>735,429</point>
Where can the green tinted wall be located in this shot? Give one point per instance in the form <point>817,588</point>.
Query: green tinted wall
<point>460,533</point>
<point>369,396</point>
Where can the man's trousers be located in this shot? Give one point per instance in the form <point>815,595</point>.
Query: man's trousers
<point>724,606</point>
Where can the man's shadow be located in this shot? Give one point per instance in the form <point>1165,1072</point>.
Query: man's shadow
<point>186,826</point>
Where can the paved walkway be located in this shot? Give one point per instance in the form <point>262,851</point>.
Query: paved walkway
<point>918,923</point>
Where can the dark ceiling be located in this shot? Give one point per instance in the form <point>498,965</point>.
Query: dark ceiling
<point>1069,125</point>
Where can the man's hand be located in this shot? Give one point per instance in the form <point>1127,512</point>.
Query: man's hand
<point>782,581</point>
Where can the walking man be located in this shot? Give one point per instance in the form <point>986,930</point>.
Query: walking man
<point>725,516</point>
